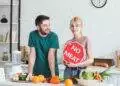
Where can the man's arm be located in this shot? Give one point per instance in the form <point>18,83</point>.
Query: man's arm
<point>31,60</point>
<point>51,60</point>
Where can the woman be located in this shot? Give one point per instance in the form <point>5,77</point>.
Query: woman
<point>73,70</point>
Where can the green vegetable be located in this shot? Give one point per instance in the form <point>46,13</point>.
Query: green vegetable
<point>22,77</point>
<point>61,78</point>
<point>87,75</point>
<point>105,75</point>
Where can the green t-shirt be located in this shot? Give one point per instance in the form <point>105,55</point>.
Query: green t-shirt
<point>42,46</point>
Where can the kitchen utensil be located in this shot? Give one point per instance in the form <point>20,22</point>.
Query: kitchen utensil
<point>109,68</point>
<point>4,19</point>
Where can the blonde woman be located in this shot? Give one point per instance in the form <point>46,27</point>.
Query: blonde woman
<point>73,70</point>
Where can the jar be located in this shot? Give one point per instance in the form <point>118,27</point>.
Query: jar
<point>16,57</point>
<point>11,69</point>
<point>5,56</point>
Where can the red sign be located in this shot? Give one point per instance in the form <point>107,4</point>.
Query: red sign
<point>73,52</point>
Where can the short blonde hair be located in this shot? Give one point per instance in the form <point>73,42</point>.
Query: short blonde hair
<point>76,20</point>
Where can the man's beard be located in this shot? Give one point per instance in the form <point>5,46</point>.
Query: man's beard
<point>42,32</point>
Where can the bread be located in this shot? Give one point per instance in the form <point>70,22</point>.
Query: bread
<point>101,64</point>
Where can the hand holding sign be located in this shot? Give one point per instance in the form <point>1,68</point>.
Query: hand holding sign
<point>73,52</point>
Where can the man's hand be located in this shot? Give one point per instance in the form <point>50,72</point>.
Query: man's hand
<point>29,77</point>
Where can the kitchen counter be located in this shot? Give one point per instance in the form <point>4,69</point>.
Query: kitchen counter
<point>113,80</point>
<point>88,83</point>
<point>114,77</point>
<point>8,83</point>
<point>113,70</point>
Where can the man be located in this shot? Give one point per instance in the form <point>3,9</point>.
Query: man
<point>43,45</point>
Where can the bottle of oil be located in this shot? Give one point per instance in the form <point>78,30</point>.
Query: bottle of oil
<point>118,58</point>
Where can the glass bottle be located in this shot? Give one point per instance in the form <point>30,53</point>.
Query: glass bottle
<point>16,57</point>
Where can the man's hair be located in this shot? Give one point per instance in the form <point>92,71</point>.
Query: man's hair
<point>40,18</point>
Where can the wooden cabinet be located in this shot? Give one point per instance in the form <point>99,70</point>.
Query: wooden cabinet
<point>100,61</point>
<point>114,79</point>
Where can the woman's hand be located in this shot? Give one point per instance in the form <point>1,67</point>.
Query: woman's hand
<point>65,63</point>
<point>72,65</point>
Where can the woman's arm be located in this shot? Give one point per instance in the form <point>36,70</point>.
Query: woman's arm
<point>90,58</point>
<point>87,62</point>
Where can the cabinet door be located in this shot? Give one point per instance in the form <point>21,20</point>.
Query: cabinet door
<point>4,27</point>
<point>113,79</point>
<point>9,26</point>
<point>118,80</point>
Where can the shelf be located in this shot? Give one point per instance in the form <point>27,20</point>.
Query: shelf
<point>8,5</point>
<point>8,42</point>
<point>3,61</point>
<point>7,24</point>
<point>10,31</point>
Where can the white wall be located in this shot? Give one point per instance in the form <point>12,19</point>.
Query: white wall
<point>101,25</point>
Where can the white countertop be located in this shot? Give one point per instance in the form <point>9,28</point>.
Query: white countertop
<point>100,69</point>
<point>61,67</point>
<point>9,83</point>
<point>88,83</point>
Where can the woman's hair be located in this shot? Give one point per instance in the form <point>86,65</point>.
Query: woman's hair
<point>76,20</point>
